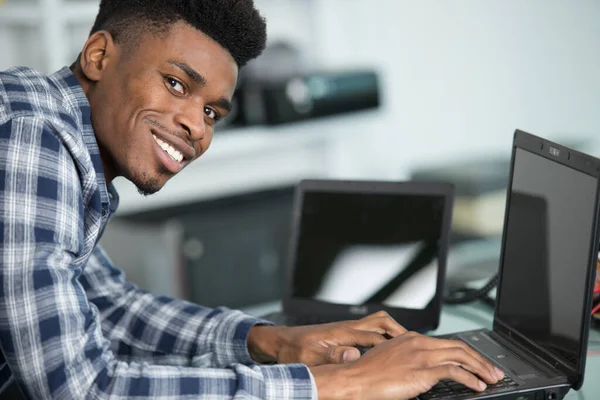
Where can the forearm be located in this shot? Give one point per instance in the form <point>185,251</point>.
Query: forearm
<point>203,337</point>
<point>332,381</point>
<point>142,325</point>
<point>238,381</point>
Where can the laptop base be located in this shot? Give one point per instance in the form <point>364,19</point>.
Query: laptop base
<point>527,378</point>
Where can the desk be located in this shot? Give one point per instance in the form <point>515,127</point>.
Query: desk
<point>479,315</point>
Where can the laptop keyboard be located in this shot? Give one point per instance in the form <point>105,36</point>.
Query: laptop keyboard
<point>449,388</point>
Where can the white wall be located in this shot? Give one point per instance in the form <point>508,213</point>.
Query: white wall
<point>22,39</point>
<point>458,75</point>
<point>461,75</point>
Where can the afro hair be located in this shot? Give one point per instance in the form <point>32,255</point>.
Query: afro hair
<point>236,25</point>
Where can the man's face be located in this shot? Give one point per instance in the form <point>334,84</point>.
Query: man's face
<point>154,109</point>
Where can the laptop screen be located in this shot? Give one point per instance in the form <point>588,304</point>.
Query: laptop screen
<point>367,248</point>
<point>546,253</point>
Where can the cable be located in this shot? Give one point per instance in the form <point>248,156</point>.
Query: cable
<point>467,295</point>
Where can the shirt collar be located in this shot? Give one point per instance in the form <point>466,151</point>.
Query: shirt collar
<point>77,100</point>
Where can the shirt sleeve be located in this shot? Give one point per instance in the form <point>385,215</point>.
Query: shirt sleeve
<point>142,326</point>
<point>50,333</point>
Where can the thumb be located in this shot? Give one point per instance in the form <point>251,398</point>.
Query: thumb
<point>341,354</point>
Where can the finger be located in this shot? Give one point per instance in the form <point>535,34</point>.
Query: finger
<point>458,356</point>
<point>380,322</point>
<point>366,338</point>
<point>434,343</point>
<point>341,354</point>
<point>456,374</point>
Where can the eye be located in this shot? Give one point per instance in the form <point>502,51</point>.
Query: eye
<point>175,85</point>
<point>210,113</point>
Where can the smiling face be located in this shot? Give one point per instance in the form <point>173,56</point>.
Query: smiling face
<point>155,105</point>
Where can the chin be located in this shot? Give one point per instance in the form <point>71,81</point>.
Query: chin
<point>147,190</point>
<point>148,185</point>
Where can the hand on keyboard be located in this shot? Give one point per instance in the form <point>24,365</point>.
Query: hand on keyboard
<point>331,343</point>
<point>404,367</point>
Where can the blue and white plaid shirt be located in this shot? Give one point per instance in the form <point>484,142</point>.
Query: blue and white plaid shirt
<point>71,327</point>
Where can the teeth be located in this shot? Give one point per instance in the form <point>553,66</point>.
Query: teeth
<point>175,155</point>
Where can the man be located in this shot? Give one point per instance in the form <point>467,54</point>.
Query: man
<point>141,101</point>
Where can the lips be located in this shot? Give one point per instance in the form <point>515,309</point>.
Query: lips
<point>176,143</point>
<point>170,150</point>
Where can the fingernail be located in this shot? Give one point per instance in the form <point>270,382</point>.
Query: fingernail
<point>482,385</point>
<point>499,373</point>
<point>349,355</point>
<point>494,374</point>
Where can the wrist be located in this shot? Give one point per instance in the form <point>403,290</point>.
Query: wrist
<point>264,342</point>
<point>336,381</point>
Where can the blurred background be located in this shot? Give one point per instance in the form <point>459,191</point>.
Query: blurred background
<point>356,89</point>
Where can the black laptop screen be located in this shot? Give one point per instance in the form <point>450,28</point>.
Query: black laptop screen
<point>356,249</point>
<point>546,253</point>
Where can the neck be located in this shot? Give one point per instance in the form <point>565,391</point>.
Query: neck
<point>88,88</point>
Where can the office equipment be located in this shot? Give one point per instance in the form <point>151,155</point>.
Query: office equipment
<point>307,95</point>
<point>549,252</point>
<point>359,247</point>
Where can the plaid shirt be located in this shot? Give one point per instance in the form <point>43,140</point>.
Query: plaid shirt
<point>71,327</point>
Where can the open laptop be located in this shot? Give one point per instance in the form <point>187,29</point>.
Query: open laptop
<point>357,247</point>
<point>547,264</point>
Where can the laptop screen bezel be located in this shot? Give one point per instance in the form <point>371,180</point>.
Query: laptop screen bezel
<point>412,319</point>
<point>590,166</point>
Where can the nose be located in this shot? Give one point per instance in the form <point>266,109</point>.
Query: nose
<point>191,119</point>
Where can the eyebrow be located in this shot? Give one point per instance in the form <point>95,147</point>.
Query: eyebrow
<point>191,72</point>
<point>224,104</point>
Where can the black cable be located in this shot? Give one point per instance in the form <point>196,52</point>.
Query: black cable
<point>467,295</point>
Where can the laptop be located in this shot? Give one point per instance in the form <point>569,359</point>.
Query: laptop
<point>547,263</point>
<point>357,247</point>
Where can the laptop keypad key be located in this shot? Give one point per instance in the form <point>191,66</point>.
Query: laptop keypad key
<point>430,396</point>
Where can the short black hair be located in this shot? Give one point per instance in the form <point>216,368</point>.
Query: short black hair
<point>236,25</point>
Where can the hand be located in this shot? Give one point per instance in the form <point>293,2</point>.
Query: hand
<point>321,344</point>
<point>403,368</point>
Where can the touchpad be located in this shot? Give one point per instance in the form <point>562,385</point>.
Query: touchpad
<point>503,358</point>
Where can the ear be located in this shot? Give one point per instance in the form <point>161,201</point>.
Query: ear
<point>99,50</point>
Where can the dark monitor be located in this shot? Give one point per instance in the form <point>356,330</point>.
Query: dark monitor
<point>369,248</point>
<point>549,241</point>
